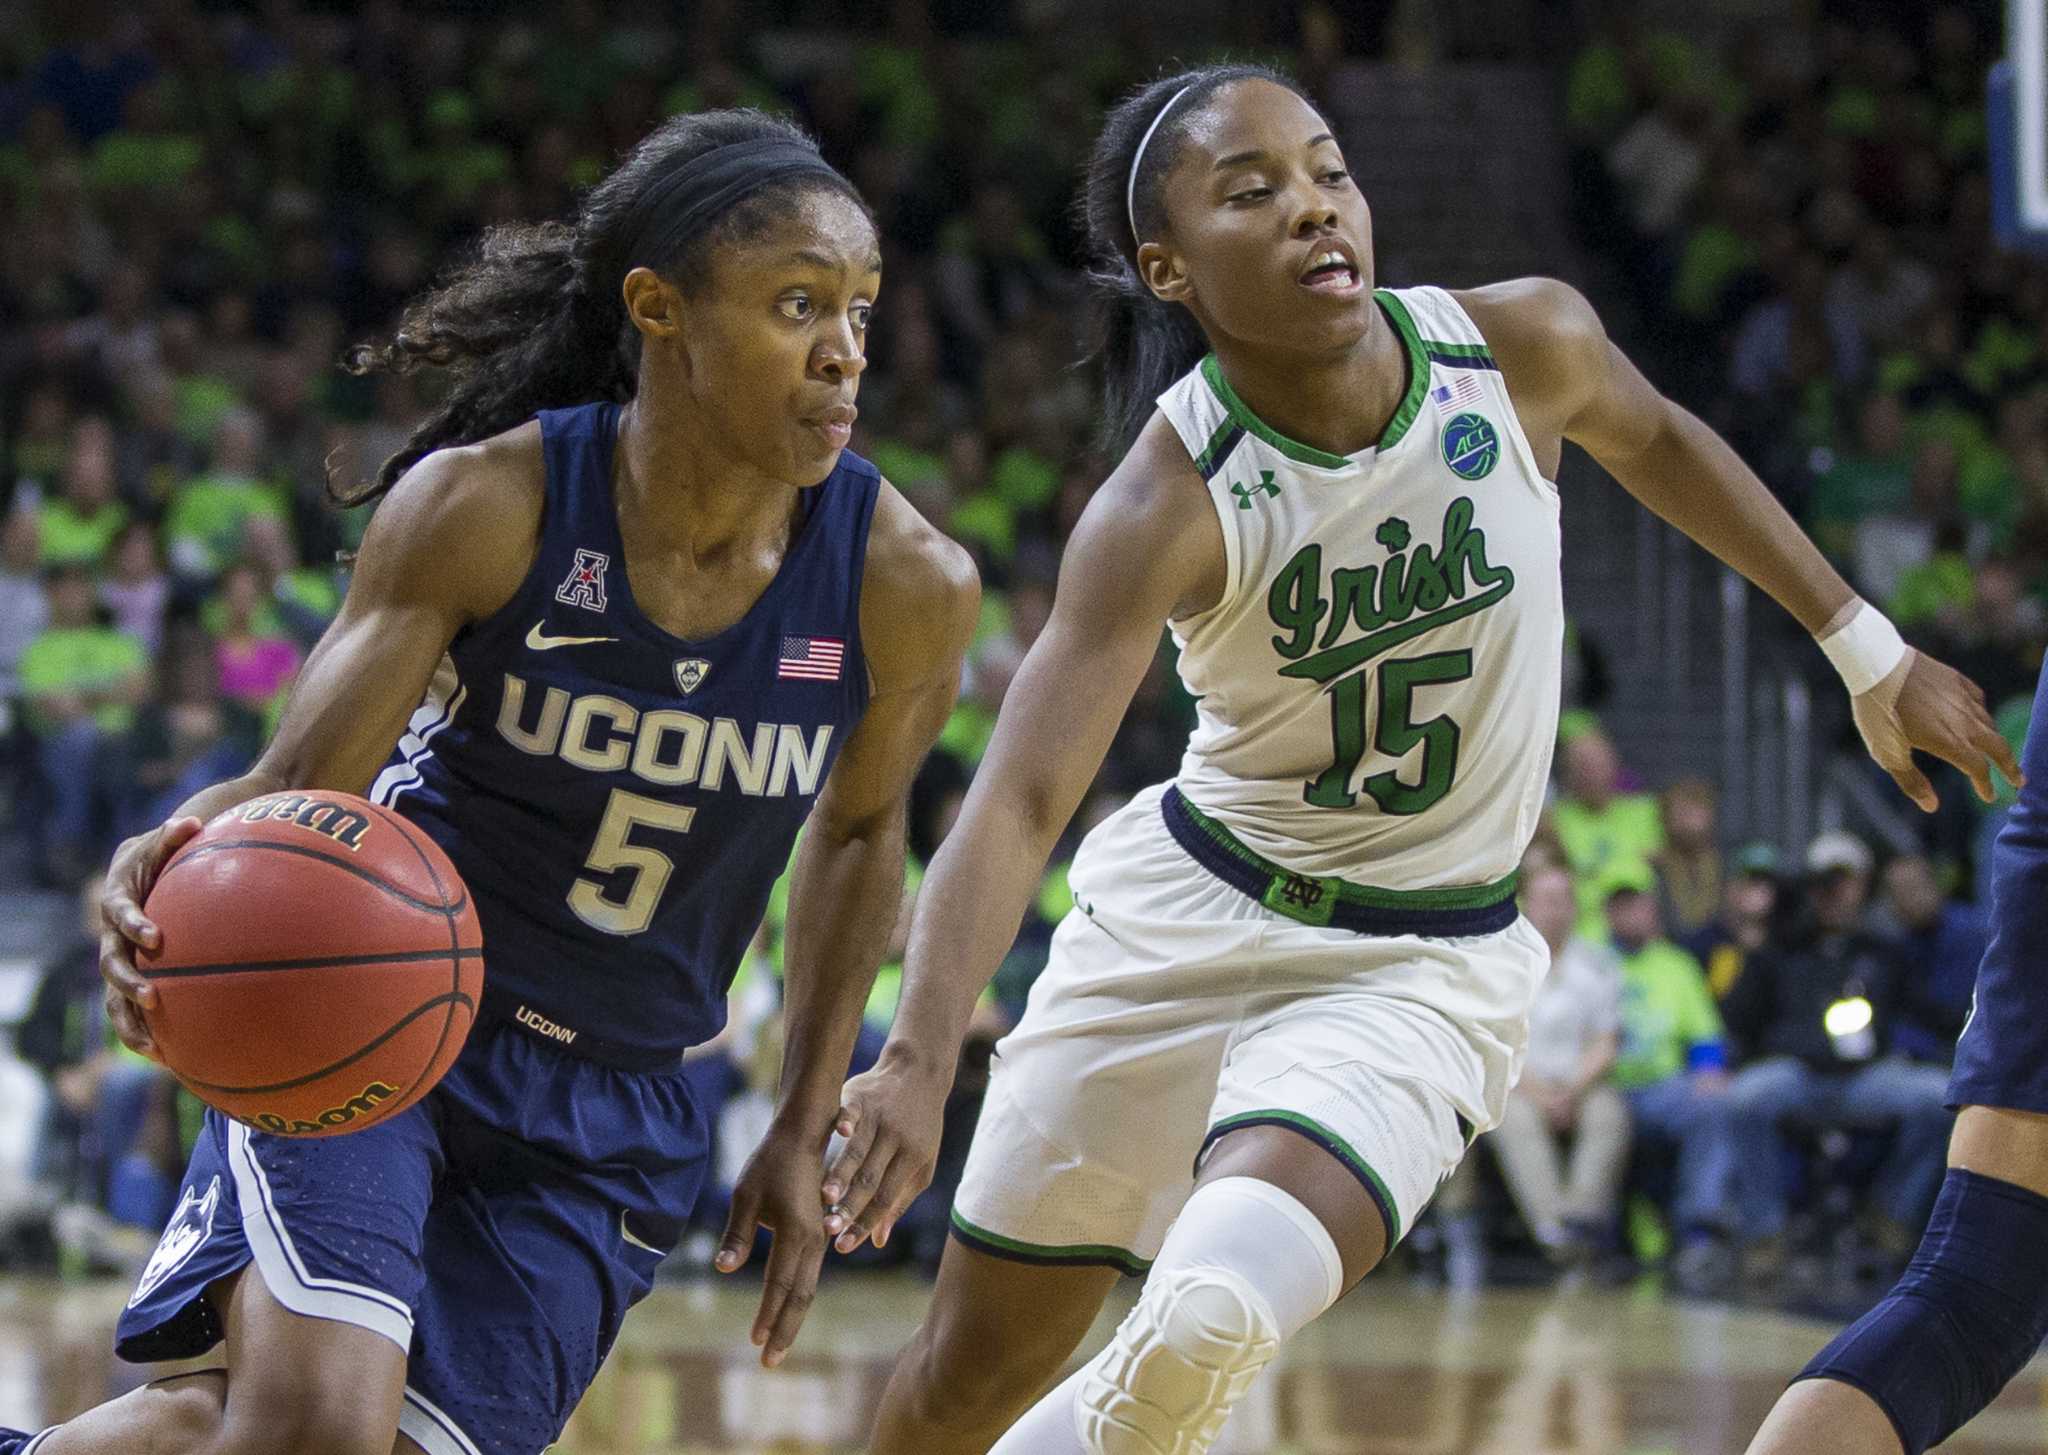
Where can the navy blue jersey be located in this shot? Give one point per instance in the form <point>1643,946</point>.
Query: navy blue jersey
<point>619,800</point>
<point>2002,1058</point>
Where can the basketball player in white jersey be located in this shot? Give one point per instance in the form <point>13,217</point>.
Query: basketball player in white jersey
<point>1294,985</point>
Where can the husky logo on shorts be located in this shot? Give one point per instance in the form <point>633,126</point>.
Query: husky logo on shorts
<point>584,585</point>
<point>190,1226</point>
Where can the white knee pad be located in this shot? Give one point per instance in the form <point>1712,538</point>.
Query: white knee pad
<point>1245,1267</point>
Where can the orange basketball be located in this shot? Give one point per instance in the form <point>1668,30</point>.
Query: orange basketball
<point>321,964</point>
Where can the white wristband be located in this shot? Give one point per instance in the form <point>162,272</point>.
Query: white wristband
<point>1864,649</point>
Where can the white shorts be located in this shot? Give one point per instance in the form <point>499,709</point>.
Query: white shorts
<point>1176,1008</point>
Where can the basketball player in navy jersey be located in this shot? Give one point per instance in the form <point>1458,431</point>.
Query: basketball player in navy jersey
<point>631,614</point>
<point>1972,1307</point>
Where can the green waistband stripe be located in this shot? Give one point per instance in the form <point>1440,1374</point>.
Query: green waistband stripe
<point>1105,1255</point>
<point>1473,896</point>
<point>1330,1142</point>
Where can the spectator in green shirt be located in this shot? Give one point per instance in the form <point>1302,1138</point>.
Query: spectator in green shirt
<point>81,522</point>
<point>1606,833</point>
<point>81,682</point>
<point>1672,1070</point>
<point>207,516</point>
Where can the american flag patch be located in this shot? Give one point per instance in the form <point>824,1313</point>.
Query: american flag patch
<point>814,659</point>
<point>1462,390</point>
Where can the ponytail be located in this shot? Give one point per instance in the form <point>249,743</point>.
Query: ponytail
<point>1143,342</point>
<point>535,318</point>
<point>522,326</point>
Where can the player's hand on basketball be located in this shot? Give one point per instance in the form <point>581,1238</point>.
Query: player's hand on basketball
<point>778,1190</point>
<point>1930,706</point>
<point>125,927</point>
<point>891,1119</point>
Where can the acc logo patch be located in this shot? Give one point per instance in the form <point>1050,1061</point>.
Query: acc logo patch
<point>190,1226</point>
<point>1471,446</point>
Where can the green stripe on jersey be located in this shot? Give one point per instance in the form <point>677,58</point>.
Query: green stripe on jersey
<point>1418,368</point>
<point>1458,351</point>
<point>1242,414</point>
<point>1404,414</point>
<point>1220,443</point>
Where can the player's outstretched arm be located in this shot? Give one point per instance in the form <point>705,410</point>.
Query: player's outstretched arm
<point>919,601</point>
<point>449,545</point>
<point>1147,548</point>
<point>1569,381</point>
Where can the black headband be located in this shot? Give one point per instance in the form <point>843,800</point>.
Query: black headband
<point>689,199</point>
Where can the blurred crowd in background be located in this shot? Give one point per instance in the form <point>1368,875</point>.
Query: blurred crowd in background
<point>1738,1062</point>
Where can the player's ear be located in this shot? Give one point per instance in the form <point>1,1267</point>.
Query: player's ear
<point>653,304</point>
<point>1160,270</point>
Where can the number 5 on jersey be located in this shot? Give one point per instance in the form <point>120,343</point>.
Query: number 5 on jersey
<point>1393,732</point>
<point>614,850</point>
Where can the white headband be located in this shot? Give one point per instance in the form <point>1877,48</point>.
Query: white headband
<point>1137,157</point>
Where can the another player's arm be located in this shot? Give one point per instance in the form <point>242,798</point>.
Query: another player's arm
<point>919,601</point>
<point>1569,381</point>
<point>1147,548</point>
<point>449,545</point>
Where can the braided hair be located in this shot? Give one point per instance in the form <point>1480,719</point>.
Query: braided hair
<point>534,318</point>
<point>1144,344</point>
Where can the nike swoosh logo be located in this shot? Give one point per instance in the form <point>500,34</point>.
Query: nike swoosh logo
<point>540,641</point>
<point>626,1232</point>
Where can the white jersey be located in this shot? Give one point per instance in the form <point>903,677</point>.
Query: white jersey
<point>1378,687</point>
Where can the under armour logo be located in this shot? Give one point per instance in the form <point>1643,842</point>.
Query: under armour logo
<point>1245,493</point>
<point>1302,892</point>
<point>584,585</point>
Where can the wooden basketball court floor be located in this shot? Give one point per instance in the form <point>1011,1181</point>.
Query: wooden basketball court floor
<point>1393,1370</point>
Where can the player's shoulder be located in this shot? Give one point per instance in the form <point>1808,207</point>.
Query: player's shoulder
<point>1152,528</point>
<point>1532,314</point>
<point>918,585</point>
<point>1156,487</point>
<point>1548,341</point>
<point>467,516</point>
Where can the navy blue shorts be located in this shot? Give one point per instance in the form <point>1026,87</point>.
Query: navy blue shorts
<point>497,1232</point>
<point>2002,1058</point>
